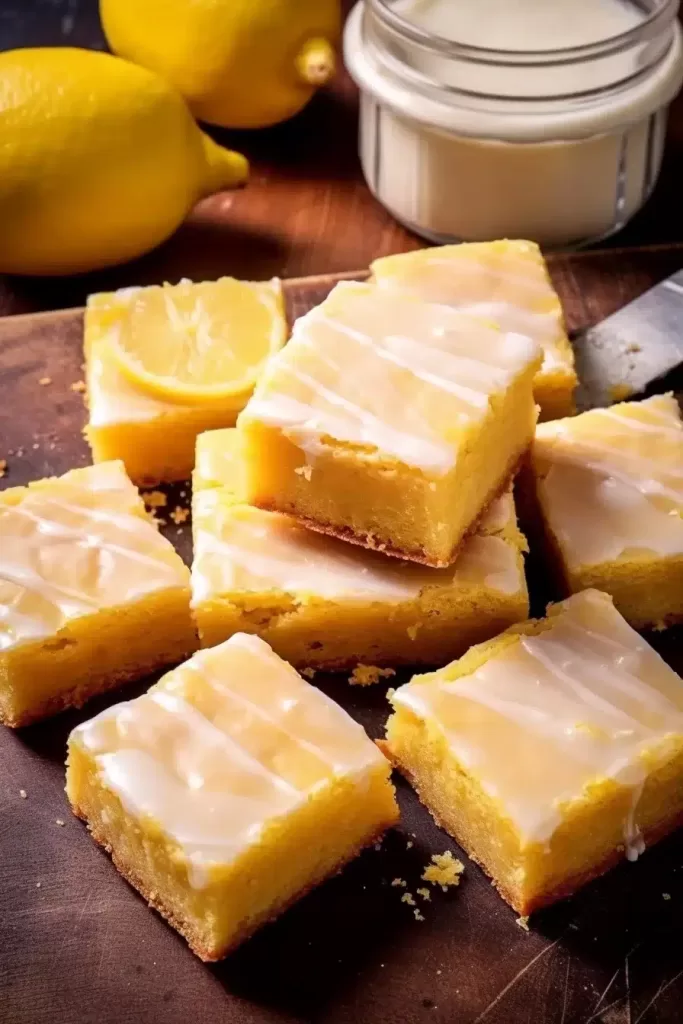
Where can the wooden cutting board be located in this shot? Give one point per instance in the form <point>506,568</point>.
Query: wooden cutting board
<point>78,946</point>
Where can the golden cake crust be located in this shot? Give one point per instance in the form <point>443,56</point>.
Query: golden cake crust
<point>372,543</point>
<point>569,885</point>
<point>181,925</point>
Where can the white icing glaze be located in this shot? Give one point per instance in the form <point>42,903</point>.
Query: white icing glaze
<point>610,482</point>
<point>239,549</point>
<point>504,284</point>
<point>222,747</point>
<point>388,373</point>
<point>76,546</point>
<point>552,713</point>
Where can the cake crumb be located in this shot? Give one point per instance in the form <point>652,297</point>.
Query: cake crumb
<point>154,499</point>
<point>3,467</point>
<point>180,515</point>
<point>44,381</point>
<point>35,446</point>
<point>417,915</point>
<point>78,386</point>
<point>445,870</point>
<point>23,794</point>
<point>408,898</point>
<point>619,392</point>
<point>412,632</point>
<point>523,922</point>
<point>58,821</point>
<point>438,972</point>
<point>366,675</point>
<point>398,881</point>
<point>424,893</point>
<point>38,885</point>
<point>308,673</point>
<point>305,471</point>
<point>666,895</point>
<point>409,844</point>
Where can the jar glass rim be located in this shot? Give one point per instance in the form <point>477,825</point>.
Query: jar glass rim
<point>663,13</point>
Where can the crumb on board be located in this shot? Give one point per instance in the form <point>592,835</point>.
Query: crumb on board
<point>398,881</point>
<point>424,893</point>
<point>180,515</point>
<point>38,885</point>
<point>418,915</point>
<point>619,392</point>
<point>408,898</point>
<point>78,386</point>
<point>445,870</point>
<point>23,794</point>
<point>523,922</point>
<point>3,467</point>
<point>308,673</point>
<point>666,895</point>
<point>154,499</point>
<point>366,675</point>
<point>44,381</point>
<point>59,821</point>
<point>409,844</point>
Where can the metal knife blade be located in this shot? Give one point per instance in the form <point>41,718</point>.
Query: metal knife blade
<point>633,351</point>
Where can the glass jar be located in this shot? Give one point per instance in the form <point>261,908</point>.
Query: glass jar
<point>463,143</point>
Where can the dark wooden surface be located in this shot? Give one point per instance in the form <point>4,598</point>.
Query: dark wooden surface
<point>78,946</point>
<point>306,209</point>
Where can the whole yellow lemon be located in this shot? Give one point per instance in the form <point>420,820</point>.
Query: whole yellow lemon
<point>100,161</point>
<point>238,63</point>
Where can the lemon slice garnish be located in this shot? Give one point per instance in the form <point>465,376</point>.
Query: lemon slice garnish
<point>198,343</point>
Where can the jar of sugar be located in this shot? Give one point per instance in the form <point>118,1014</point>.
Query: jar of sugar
<point>539,119</point>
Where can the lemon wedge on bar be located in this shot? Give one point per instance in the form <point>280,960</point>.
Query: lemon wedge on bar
<point>198,343</point>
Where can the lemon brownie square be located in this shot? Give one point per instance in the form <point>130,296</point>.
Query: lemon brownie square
<point>549,752</point>
<point>91,594</point>
<point>604,494</point>
<point>322,603</point>
<point>228,790</point>
<point>506,281</point>
<point>165,363</point>
<point>389,422</point>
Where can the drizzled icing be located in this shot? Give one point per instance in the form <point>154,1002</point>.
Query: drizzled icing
<point>74,546</point>
<point>537,723</point>
<point>610,482</point>
<point>388,373</point>
<point>242,549</point>
<point>505,282</point>
<point>222,746</point>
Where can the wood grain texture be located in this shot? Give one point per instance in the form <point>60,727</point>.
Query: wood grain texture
<point>78,946</point>
<point>306,209</point>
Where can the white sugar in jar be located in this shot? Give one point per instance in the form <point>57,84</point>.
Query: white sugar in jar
<point>539,119</point>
